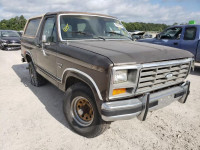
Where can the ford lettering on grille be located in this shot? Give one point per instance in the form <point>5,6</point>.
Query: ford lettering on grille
<point>169,75</point>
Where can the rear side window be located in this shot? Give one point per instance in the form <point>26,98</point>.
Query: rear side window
<point>190,33</point>
<point>32,27</point>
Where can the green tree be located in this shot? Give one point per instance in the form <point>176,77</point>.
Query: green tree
<point>16,23</point>
<point>132,26</point>
<point>175,24</point>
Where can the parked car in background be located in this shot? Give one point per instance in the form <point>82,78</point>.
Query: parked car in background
<point>9,40</point>
<point>145,36</point>
<point>186,37</point>
<point>136,35</point>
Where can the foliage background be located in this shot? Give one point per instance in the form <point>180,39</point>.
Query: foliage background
<point>18,23</point>
<point>132,26</point>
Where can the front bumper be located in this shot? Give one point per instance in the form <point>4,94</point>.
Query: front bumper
<point>139,107</point>
<point>11,46</point>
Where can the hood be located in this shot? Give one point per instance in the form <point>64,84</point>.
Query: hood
<point>130,52</point>
<point>150,40</point>
<point>12,39</point>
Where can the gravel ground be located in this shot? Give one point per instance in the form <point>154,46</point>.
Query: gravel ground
<point>32,118</point>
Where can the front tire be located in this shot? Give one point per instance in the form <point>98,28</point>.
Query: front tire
<point>81,112</point>
<point>36,79</point>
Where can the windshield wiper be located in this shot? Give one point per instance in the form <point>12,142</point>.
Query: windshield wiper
<point>85,33</point>
<point>118,34</point>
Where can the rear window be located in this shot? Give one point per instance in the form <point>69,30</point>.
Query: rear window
<point>190,33</point>
<point>32,27</point>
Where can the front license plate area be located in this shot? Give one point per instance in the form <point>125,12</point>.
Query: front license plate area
<point>166,100</point>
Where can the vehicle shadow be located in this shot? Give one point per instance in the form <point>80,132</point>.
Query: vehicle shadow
<point>196,71</point>
<point>50,96</point>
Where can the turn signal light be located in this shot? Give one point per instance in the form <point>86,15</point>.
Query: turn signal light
<point>119,91</point>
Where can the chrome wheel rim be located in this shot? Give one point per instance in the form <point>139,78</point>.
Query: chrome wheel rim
<point>82,111</point>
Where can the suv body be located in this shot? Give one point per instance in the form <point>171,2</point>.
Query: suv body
<point>186,37</point>
<point>105,75</point>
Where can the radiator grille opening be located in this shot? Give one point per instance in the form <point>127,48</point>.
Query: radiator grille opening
<point>161,76</point>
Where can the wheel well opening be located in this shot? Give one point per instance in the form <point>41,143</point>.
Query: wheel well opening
<point>72,80</point>
<point>28,58</point>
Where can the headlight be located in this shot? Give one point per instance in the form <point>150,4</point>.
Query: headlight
<point>120,76</point>
<point>4,41</point>
<point>123,81</point>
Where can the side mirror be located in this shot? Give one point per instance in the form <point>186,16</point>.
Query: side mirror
<point>44,38</point>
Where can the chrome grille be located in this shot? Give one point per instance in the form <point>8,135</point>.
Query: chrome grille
<point>156,77</point>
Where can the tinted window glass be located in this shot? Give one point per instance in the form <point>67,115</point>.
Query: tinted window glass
<point>190,33</point>
<point>50,30</point>
<point>32,27</point>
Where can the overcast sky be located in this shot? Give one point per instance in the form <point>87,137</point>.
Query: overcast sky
<point>156,11</point>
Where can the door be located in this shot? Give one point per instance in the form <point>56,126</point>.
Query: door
<point>46,56</point>
<point>171,37</point>
<point>198,52</point>
<point>190,40</point>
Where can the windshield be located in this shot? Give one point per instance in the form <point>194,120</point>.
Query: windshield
<point>76,27</point>
<point>9,34</point>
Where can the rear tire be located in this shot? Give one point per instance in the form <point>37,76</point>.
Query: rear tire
<point>36,79</point>
<point>81,112</point>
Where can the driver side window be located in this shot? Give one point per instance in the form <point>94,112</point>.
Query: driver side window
<point>50,30</point>
<point>172,33</point>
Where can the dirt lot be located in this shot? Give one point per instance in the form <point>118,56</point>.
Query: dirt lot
<point>32,118</point>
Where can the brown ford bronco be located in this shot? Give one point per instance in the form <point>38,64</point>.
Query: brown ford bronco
<point>105,75</point>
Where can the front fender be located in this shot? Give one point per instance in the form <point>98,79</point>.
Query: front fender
<point>85,78</point>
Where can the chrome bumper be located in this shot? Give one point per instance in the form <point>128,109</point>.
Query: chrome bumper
<point>11,46</point>
<point>139,107</point>
<point>14,44</point>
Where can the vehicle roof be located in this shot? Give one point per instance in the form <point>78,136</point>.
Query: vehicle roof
<point>71,12</point>
<point>82,13</point>
<point>196,25</point>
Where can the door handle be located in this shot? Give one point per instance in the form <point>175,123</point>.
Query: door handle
<point>175,43</point>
